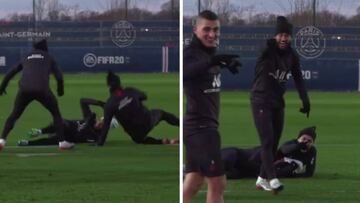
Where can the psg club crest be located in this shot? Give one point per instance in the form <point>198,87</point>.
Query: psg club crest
<point>123,33</point>
<point>310,42</point>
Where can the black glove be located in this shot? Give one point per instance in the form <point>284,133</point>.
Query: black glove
<point>3,92</point>
<point>303,146</point>
<point>60,91</point>
<point>227,61</point>
<point>234,66</point>
<point>223,59</point>
<point>305,108</point>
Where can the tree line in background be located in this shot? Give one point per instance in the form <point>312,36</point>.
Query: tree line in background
<point>54,10</point>
<point>300,13</point>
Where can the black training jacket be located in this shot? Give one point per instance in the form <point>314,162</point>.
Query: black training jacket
<point>36,68</point>
<point>202,83</point>
<point>272,73</point>
<point>127,107</point>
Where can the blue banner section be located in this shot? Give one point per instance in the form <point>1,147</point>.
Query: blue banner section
<point>96,46</point>
<point>321,74</point>
<point>101,59</point>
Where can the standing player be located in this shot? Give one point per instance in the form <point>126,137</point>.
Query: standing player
<point>269,85</point>
<point>34,85</point>
<point>202,89</point>
<point>125,104</point>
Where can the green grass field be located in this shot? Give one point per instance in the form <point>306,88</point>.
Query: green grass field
<point>337,177</point>
<point>121,171</point>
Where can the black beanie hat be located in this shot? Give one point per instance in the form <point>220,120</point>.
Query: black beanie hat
<point>283,26</point>
<point>41,45</point>
<point>311,131</point>
<point>113,81</point>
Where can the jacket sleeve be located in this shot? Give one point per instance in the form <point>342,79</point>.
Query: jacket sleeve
<point>58,74</point>
<point>138,93</point>
<point>85,105</point>
<point>310,167</point>
<point>9,75</point>
<point>194,65</point>
<point>298,79</point>
<point>285,170</point>
<point>289,147</point>
<point>108,114</point>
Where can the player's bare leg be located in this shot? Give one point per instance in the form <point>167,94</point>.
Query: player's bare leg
<point>216,188</point>
<point>192,184</point>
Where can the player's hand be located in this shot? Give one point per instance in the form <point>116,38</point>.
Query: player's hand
<point>305,108</point>
<point>303,146</point>
<point>223,60</point>
<point>60,91</point>
<point>234,66</point>
<point>228,61</point>
<point>3,92</point>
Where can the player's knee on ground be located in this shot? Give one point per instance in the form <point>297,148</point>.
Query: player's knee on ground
<point>138,140</point>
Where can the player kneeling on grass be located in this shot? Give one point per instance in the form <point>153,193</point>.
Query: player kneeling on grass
<point>125,104</point>
<point>34,85</point>
<point>295,158</point>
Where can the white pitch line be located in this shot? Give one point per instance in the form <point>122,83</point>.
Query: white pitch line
<point>25,155</point>
<point>30,147</point>
<point>337,191</point>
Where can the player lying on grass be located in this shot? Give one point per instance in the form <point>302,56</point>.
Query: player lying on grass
<point>78,131</point>
<point>125,104</point>
<point>295,158</point>
<point>86,130</point>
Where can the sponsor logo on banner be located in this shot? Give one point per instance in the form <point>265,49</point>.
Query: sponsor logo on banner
<point>90,60</point>
<point>310,42</point>
<point>2,61</point>
<point>306,74</point>
<point>123,33</point>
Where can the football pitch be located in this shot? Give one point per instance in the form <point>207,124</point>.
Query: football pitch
<point>121,171</point>
<point>337,175</point>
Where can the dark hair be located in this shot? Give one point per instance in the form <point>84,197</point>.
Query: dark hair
<point>311,131</point>
<point>41,45</point>
<point>113,81</point>
<point>208,15</point>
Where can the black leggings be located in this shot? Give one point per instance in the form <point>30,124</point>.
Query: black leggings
<point>51,140</point>
<point>269,123</point>
<point>23,99</point>
<point>156,116</point>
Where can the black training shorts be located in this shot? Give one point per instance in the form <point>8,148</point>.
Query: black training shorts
<point>203,152</point>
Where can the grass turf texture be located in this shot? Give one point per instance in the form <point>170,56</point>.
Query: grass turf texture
<point>121,171</point>
<point>337,176</point>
